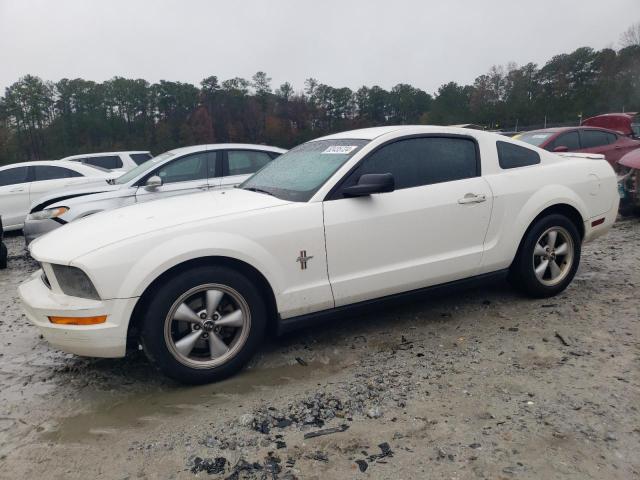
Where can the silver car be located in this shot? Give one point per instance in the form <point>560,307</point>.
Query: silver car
<point>176,172</point>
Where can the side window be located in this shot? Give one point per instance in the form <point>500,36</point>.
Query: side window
<point>107,161</point>
<point>594,138</point>
<point>613,138</point>
<point>139,158</point>
<point>243,162</point>
<point>422,161</point>
<point>14,176</point>
<point>185,169</point>
<point>49,172</point>
<point>571,140</point>
<point>514,156</point>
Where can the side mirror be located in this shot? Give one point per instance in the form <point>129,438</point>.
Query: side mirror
<point>561,149</point>
<point>371,183</point>
<point>153,183</point>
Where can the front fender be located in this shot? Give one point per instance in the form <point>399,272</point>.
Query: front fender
<point>152,260</point>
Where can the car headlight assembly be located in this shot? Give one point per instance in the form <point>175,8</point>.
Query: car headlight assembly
<point>48,213</point>
<point>74,282</point>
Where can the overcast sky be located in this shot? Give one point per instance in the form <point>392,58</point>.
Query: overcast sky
<point>341,43</point>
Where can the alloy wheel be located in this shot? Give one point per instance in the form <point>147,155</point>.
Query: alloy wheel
<point>553,256</point>
<point>207,326</point>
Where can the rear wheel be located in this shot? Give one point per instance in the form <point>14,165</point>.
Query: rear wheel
<point>548,258</point>
<point>203,324</point>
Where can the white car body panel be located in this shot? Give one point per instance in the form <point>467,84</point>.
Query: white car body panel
<point>359,248</point>
<point>375,245</point>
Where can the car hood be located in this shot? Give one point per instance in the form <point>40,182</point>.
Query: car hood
<point>91,188</point>
<point>96,231</point>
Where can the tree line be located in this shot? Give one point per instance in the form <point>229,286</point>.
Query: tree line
<point>41,119</point>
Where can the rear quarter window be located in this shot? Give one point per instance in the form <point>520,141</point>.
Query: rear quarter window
<point>140,158</point>
<point>515,156</point>
<point>106,161</point>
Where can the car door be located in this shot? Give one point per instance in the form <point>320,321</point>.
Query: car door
<point>429,230</point>
<point>182,175</point>
<point>240,164</point>
<point>47,178</point>
<point>598,141</point>
<point>14,196</point>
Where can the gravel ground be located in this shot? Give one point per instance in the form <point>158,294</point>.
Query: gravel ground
<point>479,384</point>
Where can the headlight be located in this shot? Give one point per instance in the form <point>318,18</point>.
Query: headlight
<point>48,213</point>
<point>74,282</point>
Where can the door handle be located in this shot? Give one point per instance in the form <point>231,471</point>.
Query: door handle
<point>17,190</point>
<point>472,198</point>
<point>203,187</point>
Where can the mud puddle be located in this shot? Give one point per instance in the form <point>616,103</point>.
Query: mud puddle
<point>149,408</point>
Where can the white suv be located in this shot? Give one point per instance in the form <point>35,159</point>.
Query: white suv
<point>114,161</point>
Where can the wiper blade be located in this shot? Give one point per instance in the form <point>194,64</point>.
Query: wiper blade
<point>259,190</point>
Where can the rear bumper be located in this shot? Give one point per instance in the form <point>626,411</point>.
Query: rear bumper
<point>36,228</point>
<point>108,339</point>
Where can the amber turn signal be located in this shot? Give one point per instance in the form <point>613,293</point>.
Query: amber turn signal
<point>78,320</point>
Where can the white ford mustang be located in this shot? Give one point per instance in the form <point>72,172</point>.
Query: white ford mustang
<point>332,225</point>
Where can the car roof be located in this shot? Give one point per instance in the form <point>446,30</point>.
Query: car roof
<point>53,163</point>
<point>362,133</point>
<point>103,154</point>
<point>375,132</point>
<point>566,129</point>
<point>220,146</point>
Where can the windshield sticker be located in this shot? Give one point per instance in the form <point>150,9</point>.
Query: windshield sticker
<point>340,149</point>
<point>540,135</point>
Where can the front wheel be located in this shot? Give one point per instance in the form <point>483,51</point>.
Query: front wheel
<point>203,324</point>
<point>548,257</point>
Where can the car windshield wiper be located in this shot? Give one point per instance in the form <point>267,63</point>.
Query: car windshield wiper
<point>259,190</point>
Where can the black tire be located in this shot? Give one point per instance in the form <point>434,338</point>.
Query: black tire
<point>3,256</point>
<point>522,272</point>
<point>154,323</point>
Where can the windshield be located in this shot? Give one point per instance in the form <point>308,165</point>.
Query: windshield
<point>534,138</point>
<point>299,173</point>
<point>142,168</point>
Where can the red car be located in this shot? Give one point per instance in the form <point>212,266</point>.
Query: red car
<point>626,123</point>
<point>613,145</point>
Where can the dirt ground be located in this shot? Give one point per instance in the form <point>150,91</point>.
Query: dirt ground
<point>478,384</point>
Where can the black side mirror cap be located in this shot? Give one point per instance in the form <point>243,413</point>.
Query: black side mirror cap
<point>371,183</point>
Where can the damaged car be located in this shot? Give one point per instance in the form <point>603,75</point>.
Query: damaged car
<point>629,183</point>
<point>334,225</point>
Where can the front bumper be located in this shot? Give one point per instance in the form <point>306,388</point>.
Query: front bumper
<point>107,339</point>
<point>36,228</point>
